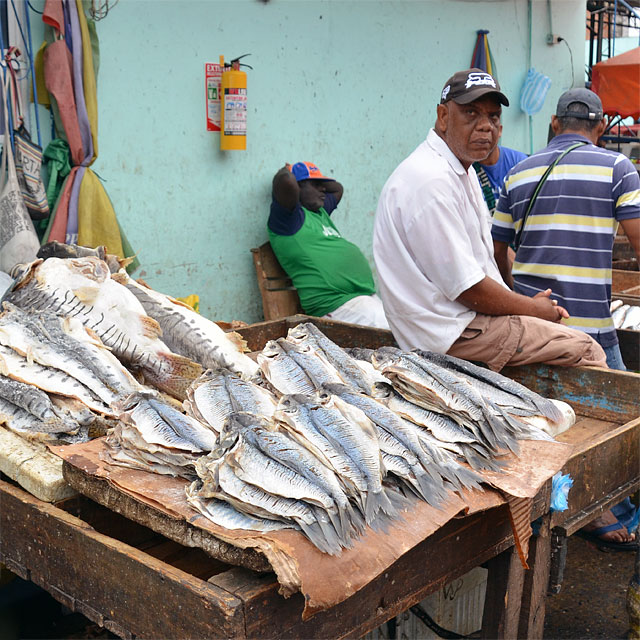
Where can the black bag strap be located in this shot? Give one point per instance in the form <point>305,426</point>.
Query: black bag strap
<point>545,175</point>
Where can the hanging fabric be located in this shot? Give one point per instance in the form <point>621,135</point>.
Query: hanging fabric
<point>18,239</point>
<point>482,57</point>
<point>83,212</point>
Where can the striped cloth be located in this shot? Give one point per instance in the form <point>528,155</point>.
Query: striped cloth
<point>568,237</point>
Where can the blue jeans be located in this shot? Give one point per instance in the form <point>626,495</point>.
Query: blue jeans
<point>625,511</point>
<point>614,357</point>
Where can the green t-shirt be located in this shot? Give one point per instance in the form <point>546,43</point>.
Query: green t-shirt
<point>326,269</point>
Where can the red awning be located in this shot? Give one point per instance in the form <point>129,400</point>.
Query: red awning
<point>617,82</point>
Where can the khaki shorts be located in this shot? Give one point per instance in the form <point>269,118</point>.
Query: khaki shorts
<point>499,341</point>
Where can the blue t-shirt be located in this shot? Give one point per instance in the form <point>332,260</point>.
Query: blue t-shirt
<point>567,241</point>
<point>498,172</point>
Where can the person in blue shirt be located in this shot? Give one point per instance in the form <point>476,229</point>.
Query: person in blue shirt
<point>492,171</point>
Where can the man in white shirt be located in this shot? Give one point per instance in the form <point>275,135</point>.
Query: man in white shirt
<point>438,279</point>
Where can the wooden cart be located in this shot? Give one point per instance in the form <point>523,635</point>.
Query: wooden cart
<point>144,575</point>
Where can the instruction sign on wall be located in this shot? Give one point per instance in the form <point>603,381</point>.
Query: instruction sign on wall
<point>212,78</point>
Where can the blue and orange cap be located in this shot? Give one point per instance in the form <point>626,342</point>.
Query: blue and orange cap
<point>307,171</point>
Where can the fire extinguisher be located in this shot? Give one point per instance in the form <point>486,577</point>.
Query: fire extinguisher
<point>233,95</point>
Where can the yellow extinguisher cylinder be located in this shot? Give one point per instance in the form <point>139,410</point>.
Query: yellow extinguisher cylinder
<point>233,125</point>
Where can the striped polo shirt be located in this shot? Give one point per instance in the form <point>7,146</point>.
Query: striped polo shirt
<point>567,241</point>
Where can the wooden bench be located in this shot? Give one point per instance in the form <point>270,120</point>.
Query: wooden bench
<point>279,296</point>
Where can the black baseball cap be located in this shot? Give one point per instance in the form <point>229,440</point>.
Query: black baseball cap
<point>466,86</point>
<point>584,96</point>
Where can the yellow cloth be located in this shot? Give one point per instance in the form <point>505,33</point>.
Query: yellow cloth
<point>97,223</point>
<point>43,95</point>
<point>89,79</point>
<point>193,301</point>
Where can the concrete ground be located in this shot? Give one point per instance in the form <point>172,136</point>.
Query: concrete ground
<point>591,604</point>
<point>592,601</point>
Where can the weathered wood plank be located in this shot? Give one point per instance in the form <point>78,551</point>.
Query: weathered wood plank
<point>536,580</point>
<point>622,280</point>
<point>505,582</point>
<point>181,531</point>
<point>459,546</point>
<point>602,463</point>
<point>603,394</point>
<point>111,582</point>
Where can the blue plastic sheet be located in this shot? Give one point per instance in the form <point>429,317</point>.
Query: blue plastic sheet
<point>560,485</point>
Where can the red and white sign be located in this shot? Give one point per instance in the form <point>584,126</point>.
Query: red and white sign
<point>212,78</point>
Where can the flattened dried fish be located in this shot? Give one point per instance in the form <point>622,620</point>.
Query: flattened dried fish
<point>83,288</point>
<point>282,371</point>
<point>190,334</point>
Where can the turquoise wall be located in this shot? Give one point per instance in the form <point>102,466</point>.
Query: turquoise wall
<point>350,85</point>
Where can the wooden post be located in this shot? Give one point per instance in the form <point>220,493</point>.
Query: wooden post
<point>558,559</point>
<point>504,594</point>
<point>535,583</point>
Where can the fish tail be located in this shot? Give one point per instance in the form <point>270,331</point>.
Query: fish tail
<point>375,502</point>
<point>429,491</point>
<point>317,535</point>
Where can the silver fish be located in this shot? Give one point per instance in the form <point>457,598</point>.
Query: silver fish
<point>38,338</point>
<point>224,515</point>
<point>309,358</point>
<point>218,393</point>
<point>492,382</point>
<point>282,371</point>
<point>159,423</point>
<point>348,369</point>
<point>48,379</point>
<point>294,413</point>
<point>30,427</point>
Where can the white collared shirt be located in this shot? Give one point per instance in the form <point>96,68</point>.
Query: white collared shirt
<point>431,242</point>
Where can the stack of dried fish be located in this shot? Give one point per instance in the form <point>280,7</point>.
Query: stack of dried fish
<point>82,288</point>
<point>625,316</point>
<point>155,436</point>
<point>190,334</point>
<point>454,408</point>
<point>58,379</point>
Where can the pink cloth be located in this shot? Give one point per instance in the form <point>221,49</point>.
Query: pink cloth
<point>58,229</point>
<point>59,82</point>
<point>53,15</point>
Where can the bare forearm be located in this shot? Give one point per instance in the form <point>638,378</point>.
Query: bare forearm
<point>491,298</point>
<point>504,262</point>
<point>285,188</point>
<point>632,231</point>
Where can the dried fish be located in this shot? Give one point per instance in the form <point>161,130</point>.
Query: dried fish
<point>82,288</point>
<point>189,333</point>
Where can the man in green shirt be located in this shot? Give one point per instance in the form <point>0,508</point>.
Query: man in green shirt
<point>331,274</point>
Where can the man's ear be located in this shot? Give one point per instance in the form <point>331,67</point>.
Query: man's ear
<point>555,125</point>
<point>601,128</point>
<point>442,119</point>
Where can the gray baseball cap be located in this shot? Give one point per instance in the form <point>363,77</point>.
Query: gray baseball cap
<point>583,96</point>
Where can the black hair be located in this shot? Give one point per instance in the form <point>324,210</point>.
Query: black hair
<point>578,124</point>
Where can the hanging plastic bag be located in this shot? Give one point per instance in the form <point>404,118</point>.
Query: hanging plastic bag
<point>28,166</point>
<point>534,91</point>
<point>18,239</point>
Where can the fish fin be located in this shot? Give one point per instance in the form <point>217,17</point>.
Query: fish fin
<point>177,377</point>
<point>316,536</point>
<point>121,278</point>
<point>237,340</point>
<point>150,327</point>
<point>87,295</point>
